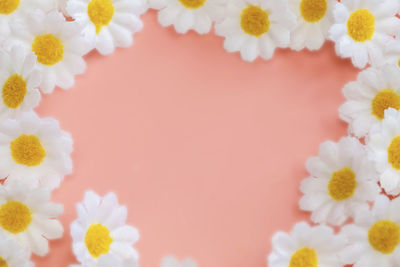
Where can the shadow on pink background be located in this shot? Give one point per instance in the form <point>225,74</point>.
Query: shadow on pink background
<point>206,150</point>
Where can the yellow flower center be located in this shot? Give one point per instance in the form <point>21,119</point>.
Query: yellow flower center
<point>100,13</point>
<point>15,217</point>
<point>313,10</point>
<point>361,25</point>
<point>48,49</point>
<point>27,150</point>
<point>342,184</point>
<point>305,257</point>
<point>385,99</point>
<point>394,153</point>
<point>193,4</point>
<point>384,236</point>
<point>98,240</point>
<point>3,262</point>
<point>8,6</point>
<point>255,21</point>
<point>14,91</point>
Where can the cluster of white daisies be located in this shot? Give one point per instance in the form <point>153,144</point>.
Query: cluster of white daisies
<point>42,44</point>
<point>354,183</point>
<point>362,30</point>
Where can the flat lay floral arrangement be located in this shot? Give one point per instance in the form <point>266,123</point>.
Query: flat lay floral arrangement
<point>353,183</point>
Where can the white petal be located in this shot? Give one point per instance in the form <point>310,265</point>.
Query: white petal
<point>249,51</point>
<point>105,44</point>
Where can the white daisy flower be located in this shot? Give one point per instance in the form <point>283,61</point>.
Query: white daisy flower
<point>256,27</point>
<point>19,79</point>
<point>374,238</point>
<point>100,235</point>
<point>342,180</point>
<point>27,216</point>
<point>375,90</point>
<point>108,23</point>
<point>171,261</point>
<point>11,10</point>
<point>188,15</point>
<point>35,150</point>
<point>58,45</point>
<point>384,146</point>
<point>314,19</point>
<point>306,246</point>
<point>363,28</point>
<point>12,255</point>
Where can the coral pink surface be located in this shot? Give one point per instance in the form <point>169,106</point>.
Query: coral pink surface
<point>206,150</point>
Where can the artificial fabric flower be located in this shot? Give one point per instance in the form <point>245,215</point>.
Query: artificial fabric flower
<point>314,19</point>
<point>256,27</point>
<point>171,261</point>
<point>363,28</point>
<point>12,255</point>
<point>57,44</point>
<point>375,90</point>
<point>342,180</point>
<point>384,146</point>
<point>306,246</point>
<point>19,80</point>
<point>28,217</point>
<point>374,238</point>
<point>35,150</point>
<point>188,15</point>
<point>11,10</point>
<point>108,23</point>
<point>100,235</point>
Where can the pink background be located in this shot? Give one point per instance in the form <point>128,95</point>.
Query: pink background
<point>206,150</point>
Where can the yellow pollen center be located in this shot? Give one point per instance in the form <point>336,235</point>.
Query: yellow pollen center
<point>193,4</point>
<point>342,184</point>
<point>98,240</point>
<point>384,236</point>
<point>361,25</point>
<point>15,217</point>
<point>27,150</point>
<point>254,21</point>
<point>3,262</point>
<point>100,13</point>
<point>48,49</point>
<point>313,10</point>
<point>305,257</point>
<point>14,91</point>
<point>394,153</point>
<point>8,6</point>
<point>385,99</point>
